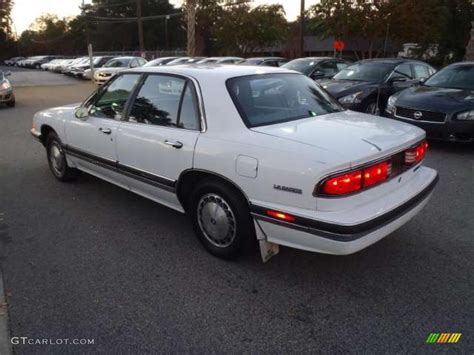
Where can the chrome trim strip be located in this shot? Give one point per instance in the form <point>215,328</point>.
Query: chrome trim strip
<point>414,120</point>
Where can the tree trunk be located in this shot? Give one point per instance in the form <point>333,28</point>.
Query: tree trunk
<point>191,26</point>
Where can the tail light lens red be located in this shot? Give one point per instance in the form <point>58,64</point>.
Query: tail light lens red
<point>363,178</point>
<point>416,154</point>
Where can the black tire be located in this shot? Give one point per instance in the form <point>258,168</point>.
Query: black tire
<point>57,159</point>
<point>230,228</point>
<point>371,108</point>
<point>11,103</point>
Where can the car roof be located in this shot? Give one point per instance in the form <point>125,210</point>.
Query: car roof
<point>207,71</point>
<point>390,60</point>
<point>264,58</point>
<point>462,63</point>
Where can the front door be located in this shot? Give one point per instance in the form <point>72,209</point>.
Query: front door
<point>155,143</point>
<point>91,140</point>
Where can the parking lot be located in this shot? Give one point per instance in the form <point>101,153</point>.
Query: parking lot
<point>90,260</point>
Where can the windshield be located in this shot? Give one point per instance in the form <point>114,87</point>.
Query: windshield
<point>117,63</point>
<point>453,77</point>
<point>304,66</point>
<point>274,98</point>
<point>253,62</point>
<point>371,71</point>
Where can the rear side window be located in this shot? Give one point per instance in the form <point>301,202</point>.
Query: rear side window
<point>274,98</point>
<point>111,100</point>
<point>166,101</point>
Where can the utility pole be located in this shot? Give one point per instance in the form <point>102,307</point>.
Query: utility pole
<point>88,40</point>
<point>141,40</point>
<point>301,49</point>
<point>167,40</point>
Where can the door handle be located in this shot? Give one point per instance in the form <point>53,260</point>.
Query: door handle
<point>177,144</point>
<point>105,130</point>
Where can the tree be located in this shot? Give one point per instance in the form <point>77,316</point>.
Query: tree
<point>243,30</point>
<point>6,36</point>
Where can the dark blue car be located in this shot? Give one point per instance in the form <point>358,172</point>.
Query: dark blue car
<point>443,105</point>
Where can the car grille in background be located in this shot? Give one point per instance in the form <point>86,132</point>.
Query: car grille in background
<point>419,115</point>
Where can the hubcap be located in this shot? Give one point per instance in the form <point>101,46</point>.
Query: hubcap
<point>216,220</point>
<point>56,158</point>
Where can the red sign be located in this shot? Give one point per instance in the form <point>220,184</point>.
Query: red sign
<point>339,45</point>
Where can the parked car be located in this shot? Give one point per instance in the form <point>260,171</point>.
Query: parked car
<point>443,105</point>
<point>79,70</point>
<point>6,90</point>
<point>49,65</point>
<point>185,60</point>
<point>61,65</point>
<point>68,68</point>
<point>160,61</point>
<point>13,61</point>
<point>115,66</point>
<point>265,61</point>
<point>36,62</point>
<point>221,60</point>
<point>317,67</point>
<point>272,156</point>
<point>365,86</point>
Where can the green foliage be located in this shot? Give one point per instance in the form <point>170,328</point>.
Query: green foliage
<point>243,30</point>
<point>445,23</point>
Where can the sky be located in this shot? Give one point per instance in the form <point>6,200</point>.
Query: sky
<point>26,11</point>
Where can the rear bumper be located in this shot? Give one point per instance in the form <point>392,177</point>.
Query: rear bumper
<point>36,135</point>
<point>330,238</point>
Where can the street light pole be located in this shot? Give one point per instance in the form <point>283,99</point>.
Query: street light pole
<point>141,40</point>
<point>301,49</point>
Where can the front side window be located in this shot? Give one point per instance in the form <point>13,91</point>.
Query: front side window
<point>275,98</point>
<point>111,101</point>
<point>159,100</point>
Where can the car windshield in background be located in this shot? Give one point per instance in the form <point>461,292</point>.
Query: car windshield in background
<point>365,72</point>
<point>304,66</point>
<point>453,77</point>
<point>274,98</point>
<point>117,63</point>
<point>253,62</point>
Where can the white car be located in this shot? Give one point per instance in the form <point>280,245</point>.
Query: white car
<point>115,66</point>
<point>248,152</point>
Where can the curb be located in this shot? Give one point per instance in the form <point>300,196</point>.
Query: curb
<point>5,344</point>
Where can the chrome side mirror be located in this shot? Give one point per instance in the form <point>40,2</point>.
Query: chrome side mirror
<point>82,113</point>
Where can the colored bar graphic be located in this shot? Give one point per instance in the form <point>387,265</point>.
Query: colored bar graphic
<point>443,338</point>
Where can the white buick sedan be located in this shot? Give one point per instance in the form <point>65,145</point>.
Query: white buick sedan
<point>248,152</point>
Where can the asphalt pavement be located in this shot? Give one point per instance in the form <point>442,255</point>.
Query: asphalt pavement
<point>90,260</point>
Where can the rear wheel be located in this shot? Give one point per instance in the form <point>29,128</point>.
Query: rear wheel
<point>57,159</point>
<point>221,218</point>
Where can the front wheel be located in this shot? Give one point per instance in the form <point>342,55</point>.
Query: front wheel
<point>221,218</point>
<point>57,159</point>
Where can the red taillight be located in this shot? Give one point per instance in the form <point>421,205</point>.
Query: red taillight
<point>354,181</point>
<point>416,154</point>
<point>280,215</point>
<point>343,184</point>
<point>375,174</point>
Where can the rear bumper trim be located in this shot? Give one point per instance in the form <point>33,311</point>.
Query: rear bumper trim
<point>346,233</point>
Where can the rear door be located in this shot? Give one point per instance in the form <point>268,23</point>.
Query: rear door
<point>155,143</point>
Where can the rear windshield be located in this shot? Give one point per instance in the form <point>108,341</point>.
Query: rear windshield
<point>274,98</point>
